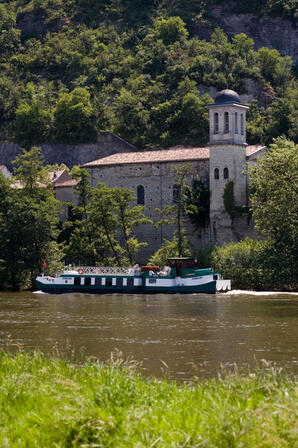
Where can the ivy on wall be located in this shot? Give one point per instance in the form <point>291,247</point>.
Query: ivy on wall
<point>229,202</point>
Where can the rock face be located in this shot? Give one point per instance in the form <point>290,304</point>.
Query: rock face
<point>106,144</point>
<point>271,32</point>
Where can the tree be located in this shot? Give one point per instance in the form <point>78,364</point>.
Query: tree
<point>170,30</point>
<point>273,196</point>
<point>82,239</point>
<point>33,121</point>
<point>128,217</point>
<point>168,249</point>
<point>174,214</point>
<point>9,34</point>
<point>28,221</point>
<point>74,117</point>
<point>102,209</point>
<point>198,199</point>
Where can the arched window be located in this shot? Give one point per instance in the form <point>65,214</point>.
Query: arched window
<point>140,195</point>
<point>176,192</point>
<point>216,123</point>
<point>216,173</point>
<point>226,123</point>
<point>236,123</point>
<point>226,173</point>
<point>242,124</point>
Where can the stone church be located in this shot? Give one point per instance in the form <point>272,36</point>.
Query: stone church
<point>150,175</point>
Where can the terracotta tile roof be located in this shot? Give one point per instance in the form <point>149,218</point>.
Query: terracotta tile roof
<point>165,155</point>
<point>67,183</point>
<point>253,148</point>
<point>54,175</point>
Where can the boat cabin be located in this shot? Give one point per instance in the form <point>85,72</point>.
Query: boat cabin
<point>181,266</point>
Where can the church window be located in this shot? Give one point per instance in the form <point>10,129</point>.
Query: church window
<point>176,191</point>
<point>226,173</point>
<point>236,123</point>
<point>242,124</point>
<point>70,211</point>
<point>141,195</point>
<point>226,123</point>
<point>216,123</point>
<point>216,173</point>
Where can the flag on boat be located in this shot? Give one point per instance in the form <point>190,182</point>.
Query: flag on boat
<point>44,264</point>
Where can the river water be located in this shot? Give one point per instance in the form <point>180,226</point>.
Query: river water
<point>182,335</point>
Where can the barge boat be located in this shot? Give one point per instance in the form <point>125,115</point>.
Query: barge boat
<point>182,276</point>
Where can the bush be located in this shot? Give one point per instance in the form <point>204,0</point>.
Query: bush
<point>252,264</point>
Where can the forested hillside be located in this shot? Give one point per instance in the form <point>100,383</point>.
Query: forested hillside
<point>72,68</point>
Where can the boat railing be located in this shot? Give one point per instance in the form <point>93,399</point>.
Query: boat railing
<point>104,270</point>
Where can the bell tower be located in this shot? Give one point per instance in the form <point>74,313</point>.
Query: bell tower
<point>227,133</point>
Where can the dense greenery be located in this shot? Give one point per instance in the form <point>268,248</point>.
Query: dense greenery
<point>271,263</point>
<point>72,68</point>
<point>28,222</point>
<point>49,402</point>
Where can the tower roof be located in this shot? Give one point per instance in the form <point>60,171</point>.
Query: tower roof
<point>227,96</point>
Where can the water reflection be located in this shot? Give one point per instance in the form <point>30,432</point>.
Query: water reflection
<point>192,334</point>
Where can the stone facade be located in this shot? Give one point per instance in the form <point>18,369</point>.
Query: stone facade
<point>153,173</point>
<point>157,179</point>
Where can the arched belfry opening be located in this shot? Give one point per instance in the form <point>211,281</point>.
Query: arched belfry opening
<point>227,119</point>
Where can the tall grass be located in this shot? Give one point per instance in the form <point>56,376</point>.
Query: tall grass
<point>54,403</point>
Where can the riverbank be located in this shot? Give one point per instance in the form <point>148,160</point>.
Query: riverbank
<point>49,402</point>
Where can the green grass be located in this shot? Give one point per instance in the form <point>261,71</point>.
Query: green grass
<point>54,403</point>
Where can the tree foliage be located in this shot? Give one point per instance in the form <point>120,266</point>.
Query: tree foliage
<point>134,68</point>
<point>273,185</point>
<point>28,222</point>
<point>101,229</point>
<point>272,261</point>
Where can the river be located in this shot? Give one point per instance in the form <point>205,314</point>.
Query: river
<point>181,335</point>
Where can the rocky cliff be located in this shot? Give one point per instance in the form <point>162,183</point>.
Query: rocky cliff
<point>106,144</point>
<point>272,32</point>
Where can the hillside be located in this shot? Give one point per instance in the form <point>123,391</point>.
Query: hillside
<point>142,69</point>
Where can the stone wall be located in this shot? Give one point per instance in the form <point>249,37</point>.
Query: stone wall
<point>157,180</point>
<point>106,144</point>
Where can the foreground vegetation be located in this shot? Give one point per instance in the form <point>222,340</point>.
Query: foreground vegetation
<point>50,402</point>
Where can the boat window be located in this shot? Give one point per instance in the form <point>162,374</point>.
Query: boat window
<point>119,281</point>
<point>141,195</point>
<point>98,281</point>
<point>87,281</point>
<point>109,282</point>
<point>152,280</point>
<point>77,281</point>
<point>130,281</point>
